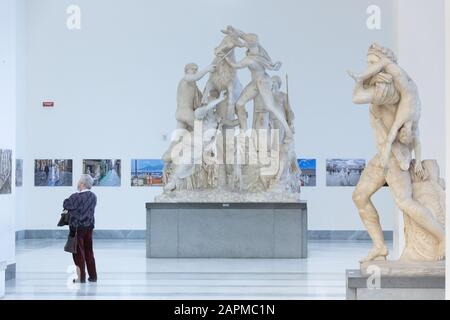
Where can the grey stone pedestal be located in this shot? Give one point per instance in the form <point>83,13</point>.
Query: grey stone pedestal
<point>227,230</point>
<point>394,287</point>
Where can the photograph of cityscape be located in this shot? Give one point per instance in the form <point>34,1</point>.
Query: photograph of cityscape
<point>5,171</point>
<point>19,172</point>
<point>308,176</point>
<point>146,173</point>
<point>344,172</point>
<point>106,173</point>
<point>53,173</point>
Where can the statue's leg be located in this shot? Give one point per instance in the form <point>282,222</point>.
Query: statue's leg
<point>180,132</point>
<point>371,180</point>
<point>261,129</point>
<point>231,100</point>
<point>208,87</point>
<point>234,89</point>
<point>264,86</point>
<point>402,117</point>
<point>249,93</point>
<point>220,160</point>
<point>401,187</point>
<point>279,147</point>
<point>277,139</point>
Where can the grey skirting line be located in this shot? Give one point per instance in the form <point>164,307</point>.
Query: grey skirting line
<point>140,234</point>
<point>344,235</point>
<point>63,233</point>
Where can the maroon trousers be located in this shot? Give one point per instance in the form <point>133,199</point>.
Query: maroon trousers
<point>85,255</point>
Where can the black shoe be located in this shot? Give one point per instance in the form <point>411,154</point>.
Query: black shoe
<point>92,280</point>
<point>78,281</point>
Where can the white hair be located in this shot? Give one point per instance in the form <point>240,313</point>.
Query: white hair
<point>87,181</point>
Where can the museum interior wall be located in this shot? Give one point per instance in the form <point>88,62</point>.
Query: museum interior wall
<point>424,20</point>
<point>7,130</point>
<point>21,114</point>
<point>114,81</point>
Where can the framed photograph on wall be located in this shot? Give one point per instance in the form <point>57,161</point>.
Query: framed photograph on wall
<point>53,173</point>
<point>105,172</point>
<point>308,176</point>
<point>146,173</point>
<point>5,171</point>
<point>19,172</point>
<point>344,172</point>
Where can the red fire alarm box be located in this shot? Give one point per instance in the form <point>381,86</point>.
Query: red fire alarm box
<point>48,104</point>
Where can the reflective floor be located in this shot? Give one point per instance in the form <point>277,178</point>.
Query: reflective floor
<point>44,271</point>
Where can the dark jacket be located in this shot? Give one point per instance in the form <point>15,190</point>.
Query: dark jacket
<point>81,207</point>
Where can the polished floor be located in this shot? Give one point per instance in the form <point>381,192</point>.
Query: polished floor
<point>44,271</point>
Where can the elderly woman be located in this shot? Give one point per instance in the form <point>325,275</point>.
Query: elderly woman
<point>81,206</point>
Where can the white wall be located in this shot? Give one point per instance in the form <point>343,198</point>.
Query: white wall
<point>21,114</point>
<point>421,52</point>
<point>114,84</point>
<point>7,120</point>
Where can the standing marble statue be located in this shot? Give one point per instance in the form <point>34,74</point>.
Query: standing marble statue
<point>194,170</point>
<point>257,60</point>
<point>188,99</point>
<point>288,165</point>
<point>394,115</point>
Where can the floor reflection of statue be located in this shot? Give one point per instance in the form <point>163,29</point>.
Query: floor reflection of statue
<point>394,114</point>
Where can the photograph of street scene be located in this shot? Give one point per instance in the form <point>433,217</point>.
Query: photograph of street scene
<point>106,173</point>
<point>146,173</point>
<point>308,176</point>
<point>5,171</point>
<point>53,173</point>
<point>19,172</point>
<point>344,172</point>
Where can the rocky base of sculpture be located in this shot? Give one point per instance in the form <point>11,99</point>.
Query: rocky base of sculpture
<point>226,196</point>
<point>404,268</point>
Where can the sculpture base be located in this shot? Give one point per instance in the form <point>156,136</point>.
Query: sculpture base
<point>227,230</point>
<point>398,280</point>
<point>226,196</point>
<point>405,268</point>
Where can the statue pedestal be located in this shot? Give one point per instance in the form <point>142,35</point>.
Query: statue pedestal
<point>227,230</point>
<point>397,280</point>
